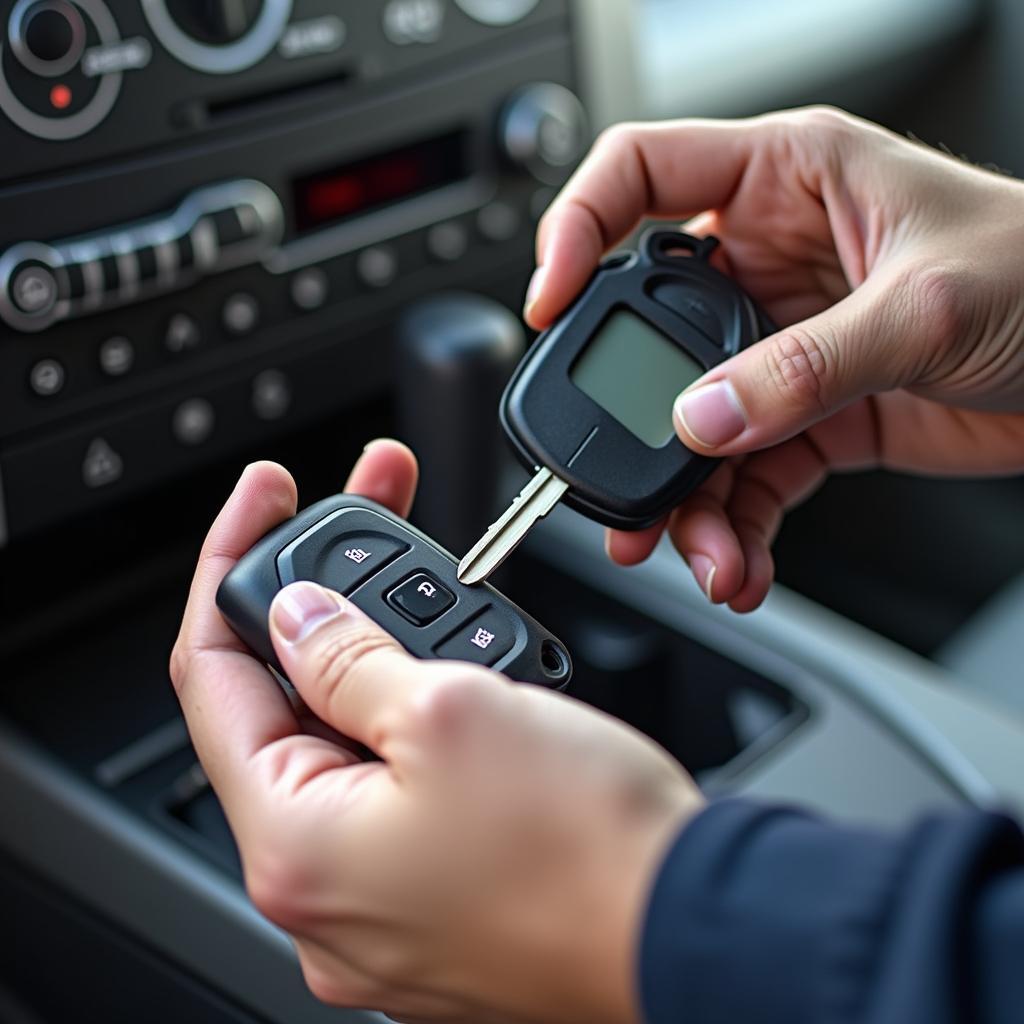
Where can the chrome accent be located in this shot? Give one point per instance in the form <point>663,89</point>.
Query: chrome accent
<point>220,60</point>
<point>162,233</point>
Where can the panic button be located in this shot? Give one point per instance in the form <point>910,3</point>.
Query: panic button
<point>421,599</point>
<point>482,640</point>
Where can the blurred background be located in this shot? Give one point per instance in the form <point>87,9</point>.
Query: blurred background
<point>243,229</point>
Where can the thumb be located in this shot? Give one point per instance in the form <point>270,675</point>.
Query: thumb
<point>350,672</point>
<point>796,377</point>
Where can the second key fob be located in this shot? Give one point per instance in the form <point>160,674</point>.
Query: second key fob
<point>592,399</point>
<point>401,579</point>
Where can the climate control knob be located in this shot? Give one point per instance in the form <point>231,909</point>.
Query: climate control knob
<point>218,22</point>
<point>543,128</point>
<point>47,36</point>
<point>219,37</point>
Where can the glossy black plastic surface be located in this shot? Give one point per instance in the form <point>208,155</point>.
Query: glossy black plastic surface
<point>365,552</point>
<point>613,476</point>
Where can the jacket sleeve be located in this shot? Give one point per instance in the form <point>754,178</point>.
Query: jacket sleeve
<point>765,914</point>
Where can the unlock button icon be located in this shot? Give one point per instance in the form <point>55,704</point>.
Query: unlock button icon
<point>421,598</point>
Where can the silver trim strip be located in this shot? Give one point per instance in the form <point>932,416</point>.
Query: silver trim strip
<point>162,234</point>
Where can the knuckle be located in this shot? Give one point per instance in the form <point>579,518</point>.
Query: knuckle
<point>798,365</point>
<point>279,888</point>
<point>329,989</point>
<point>617,137</point>
<point>178,666</point>
<point>935,295</point>
<point>821,118</point>
<point>453,703</point>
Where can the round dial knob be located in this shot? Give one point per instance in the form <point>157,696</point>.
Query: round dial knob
<point>215,22</point>
<point>544,129</point>
<point>218,36</point>
<point>47,36</point>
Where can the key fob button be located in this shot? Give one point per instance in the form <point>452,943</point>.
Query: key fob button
<point>421,599</point>
<point>343,563</point>
<point>482,640</point>
<point>691,305</point>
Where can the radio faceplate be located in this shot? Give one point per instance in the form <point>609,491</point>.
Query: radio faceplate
<point>203,296</point>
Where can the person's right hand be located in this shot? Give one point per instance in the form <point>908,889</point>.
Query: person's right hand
<point>897,272</point>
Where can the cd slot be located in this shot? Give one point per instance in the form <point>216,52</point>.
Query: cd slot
<point>203,113</point>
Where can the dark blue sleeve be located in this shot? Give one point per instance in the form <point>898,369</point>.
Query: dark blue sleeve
<point>763,914</point>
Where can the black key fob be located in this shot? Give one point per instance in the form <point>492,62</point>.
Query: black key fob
<point>592,399</point>
<point>401,579</point>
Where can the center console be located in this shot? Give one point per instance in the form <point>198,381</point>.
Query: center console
<point>278,228</point>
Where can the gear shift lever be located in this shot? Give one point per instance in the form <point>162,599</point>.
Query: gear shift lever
<point>454,356</point>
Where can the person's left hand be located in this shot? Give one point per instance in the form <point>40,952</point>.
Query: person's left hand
<point>494,865</point>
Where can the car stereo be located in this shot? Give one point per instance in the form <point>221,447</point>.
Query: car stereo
<point>210,214</point>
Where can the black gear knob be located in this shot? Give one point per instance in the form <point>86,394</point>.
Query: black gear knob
<point>454,356</point>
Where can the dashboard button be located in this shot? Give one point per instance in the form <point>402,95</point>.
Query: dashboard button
<point>271,395</point>
<point>182,333</point>
<point>116,356</point>
<point>101,465</point>
<point>34,289</point>
<point>228,227</point>
<point>46,378</point>
<point>309,288</point>
<point>377,266</point>
<point>76,280</point>
<point>241,313</point>
<point>498,221</point>
<point>193,421</point>
<point>448,241</point>
<point>111,273</point>
<point>147,264</point>
<point>186,253</point>
<point>47,36</point>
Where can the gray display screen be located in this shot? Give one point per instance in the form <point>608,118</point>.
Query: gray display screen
<point>635,373</point>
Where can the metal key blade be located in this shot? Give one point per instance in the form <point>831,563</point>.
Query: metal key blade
<point>533,502</point>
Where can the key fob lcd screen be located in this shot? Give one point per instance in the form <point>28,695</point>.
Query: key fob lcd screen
<point>634,371</point>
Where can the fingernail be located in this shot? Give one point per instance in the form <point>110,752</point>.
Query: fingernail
<point>712,414</point>
<point>704,569</point>
<point>533,289</point>
<point>300,607</point>
<point>375,441</point>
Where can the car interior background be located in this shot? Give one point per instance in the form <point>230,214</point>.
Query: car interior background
<point>279,228</point>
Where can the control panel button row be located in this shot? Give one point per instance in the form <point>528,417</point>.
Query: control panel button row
<point>215,229</point>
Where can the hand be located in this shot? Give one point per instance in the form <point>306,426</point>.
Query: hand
<point>493,866</point>
<point>898,271</point>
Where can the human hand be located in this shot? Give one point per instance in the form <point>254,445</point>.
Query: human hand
<point>493,866</point>
<point>898,271</point>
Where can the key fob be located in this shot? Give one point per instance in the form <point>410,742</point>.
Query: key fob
<point>592,399</point>
<point>401,579</point>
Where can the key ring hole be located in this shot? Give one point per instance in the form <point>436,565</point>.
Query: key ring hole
<point>553,660</point>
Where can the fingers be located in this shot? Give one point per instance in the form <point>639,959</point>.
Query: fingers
<point>387,473</point>
<point>672,169</point>
<point>349,671</point>
<point>628,547</point>
<point>726,529</point>
<point>801,375</point>
<point>231,704</point>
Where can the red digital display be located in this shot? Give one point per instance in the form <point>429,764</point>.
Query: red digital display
<point>335,194</point>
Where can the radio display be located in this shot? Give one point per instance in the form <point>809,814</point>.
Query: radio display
<point>347,190</point>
